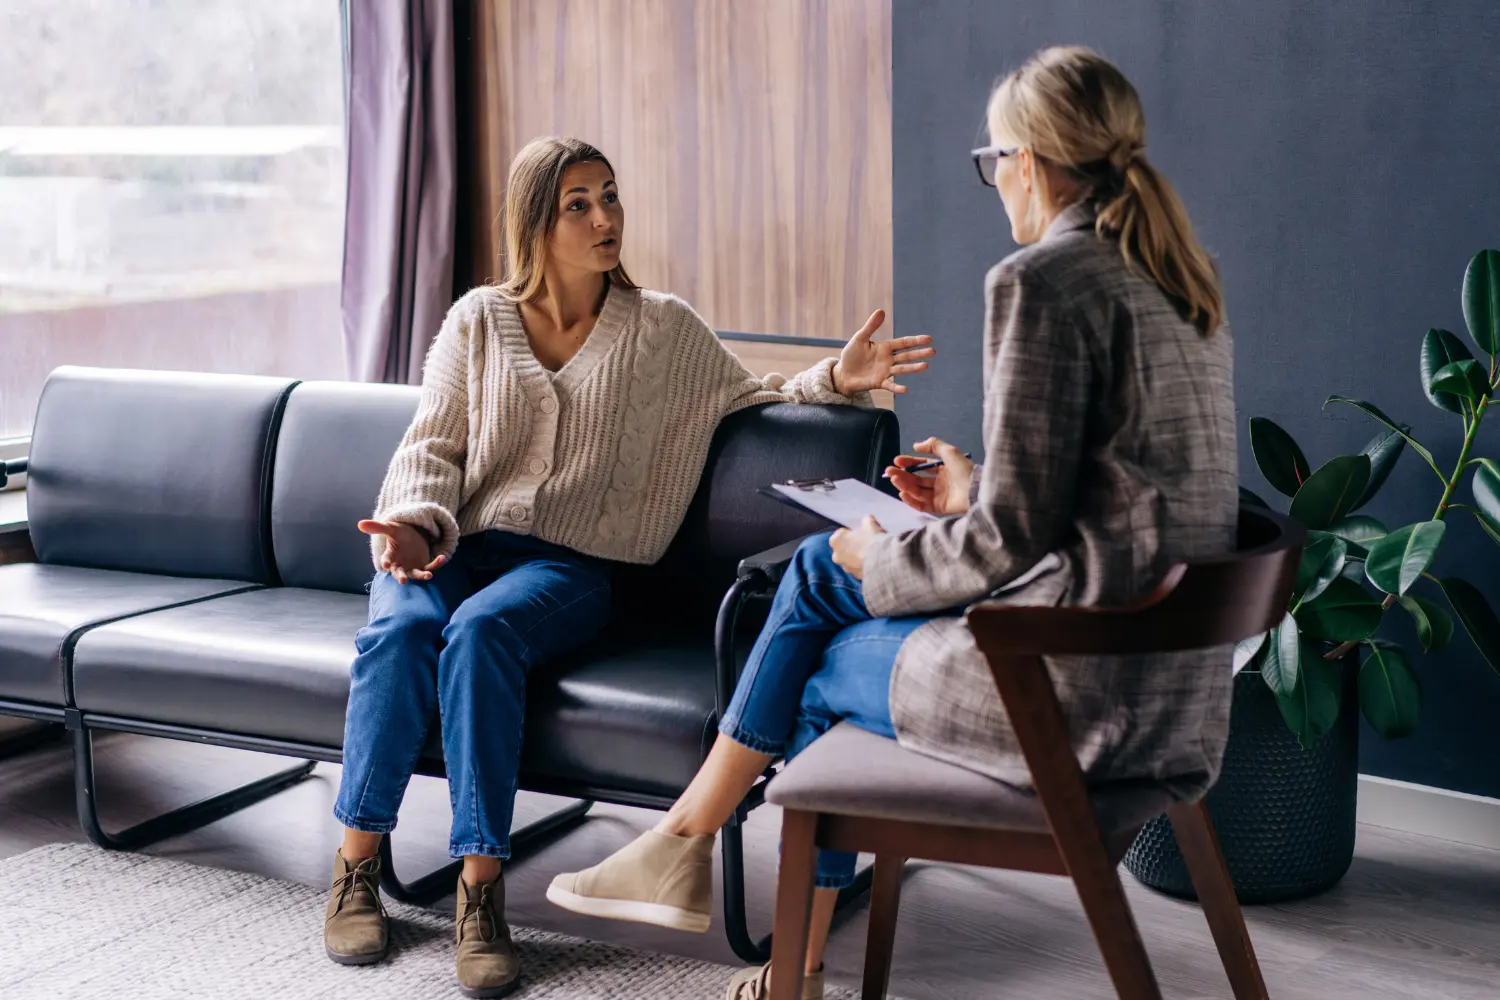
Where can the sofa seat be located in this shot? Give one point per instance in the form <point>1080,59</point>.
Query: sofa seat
<point>631,714</point>
<point>43,607</point>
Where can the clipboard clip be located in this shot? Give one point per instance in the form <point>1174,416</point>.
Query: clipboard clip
<point>820,485</point>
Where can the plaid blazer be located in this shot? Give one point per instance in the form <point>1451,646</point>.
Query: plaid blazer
<point>1109,435</point>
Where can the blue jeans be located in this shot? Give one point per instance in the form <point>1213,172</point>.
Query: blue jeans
<point>820,659</point>
<point>458,648</point>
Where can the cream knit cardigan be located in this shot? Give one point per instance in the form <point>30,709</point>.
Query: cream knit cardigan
<point>602,456</point>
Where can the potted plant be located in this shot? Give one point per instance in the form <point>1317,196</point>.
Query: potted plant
<point>1284,805</point>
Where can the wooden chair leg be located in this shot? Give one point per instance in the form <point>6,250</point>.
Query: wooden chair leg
<point>885,903</point>
<point>1205,862</point>
<point>794,896</point>
<point>1109,915</point>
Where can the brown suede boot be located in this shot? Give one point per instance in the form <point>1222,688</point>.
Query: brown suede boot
<point>487,962</point>
<point>355,929</point>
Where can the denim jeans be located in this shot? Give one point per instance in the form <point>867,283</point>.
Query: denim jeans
<point>458,648</point>
<point>819,660</point>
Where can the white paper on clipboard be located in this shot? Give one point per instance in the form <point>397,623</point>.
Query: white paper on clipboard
<point>848,502</point>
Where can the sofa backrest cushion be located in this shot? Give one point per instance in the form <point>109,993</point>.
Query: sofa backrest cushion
<point>336,441</point>
<point>154,472</point>
<point>730,519</point>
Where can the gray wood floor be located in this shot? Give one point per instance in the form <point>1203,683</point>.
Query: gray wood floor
<point>1415,918</point>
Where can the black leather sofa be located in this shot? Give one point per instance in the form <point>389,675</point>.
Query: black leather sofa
<point>198,577</point>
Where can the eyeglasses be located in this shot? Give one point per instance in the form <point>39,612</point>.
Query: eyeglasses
<point>987,161</point>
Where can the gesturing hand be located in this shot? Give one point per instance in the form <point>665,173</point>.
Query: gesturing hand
<point>407,555</point>
<point>945,490</point>
<point>866,363</point>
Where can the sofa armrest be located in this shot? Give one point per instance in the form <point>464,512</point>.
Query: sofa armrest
<point>770,564</point>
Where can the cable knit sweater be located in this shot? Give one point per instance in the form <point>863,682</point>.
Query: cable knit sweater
<point>602,456</point>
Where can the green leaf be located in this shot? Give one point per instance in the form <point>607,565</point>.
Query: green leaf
<point>1313,706</point>
<point>1389,693</point>
<point>1462,378</point>
<point>1248,497</point>
<point>1246,649</point>
<point>1400,558</point>
<point>1482,300</point>
<point>1441,348</point>
<point>1434,625</point>
<point>1344,613</point>
<point>1277,456</point>
<point>1360,531</point>
<point>1477,617</point>
<point>1354,568</point>
<point>1279,665</point>
<point>1401,429</point>
<point>1486,489</point>
<point>1383,450</point>
<point>1322,561</point>
<point>1330,492</point>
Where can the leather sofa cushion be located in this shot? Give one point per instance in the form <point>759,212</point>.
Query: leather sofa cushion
<point>272,663</point>
<point>336,440</point>
<point>41,607</point>
<point>632,714</point>
<point>154,472</point>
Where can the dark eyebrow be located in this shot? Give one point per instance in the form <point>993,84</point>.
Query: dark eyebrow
<point>584,190</point>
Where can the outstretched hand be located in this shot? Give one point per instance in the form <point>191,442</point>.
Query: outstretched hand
<point>866,363</point>
<point>407,555</point>
<point>945,490</point>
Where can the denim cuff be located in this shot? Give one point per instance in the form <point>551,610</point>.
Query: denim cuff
<point>749,740</point>
<point>483,850</point>
<point>363,826</point>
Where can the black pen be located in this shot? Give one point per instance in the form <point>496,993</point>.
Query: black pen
<point>932,464</point>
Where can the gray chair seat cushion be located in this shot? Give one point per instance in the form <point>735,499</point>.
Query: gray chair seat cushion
<point>42,607</point>
<point>630,714</point>
<point>852,772</point>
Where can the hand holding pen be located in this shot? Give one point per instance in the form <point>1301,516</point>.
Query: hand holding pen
<point>946,492</point>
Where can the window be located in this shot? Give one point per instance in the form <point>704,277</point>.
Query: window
<point>171,189</point>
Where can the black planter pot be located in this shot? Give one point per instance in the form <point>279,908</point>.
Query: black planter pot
<point>1284,815</point>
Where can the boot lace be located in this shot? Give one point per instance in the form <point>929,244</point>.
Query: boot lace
<point>361,876</point>
<point>481,906</point>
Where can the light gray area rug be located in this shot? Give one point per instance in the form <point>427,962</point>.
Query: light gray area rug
<point>79,923</point>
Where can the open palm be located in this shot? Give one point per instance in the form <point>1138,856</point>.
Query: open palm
<point>867,363</point>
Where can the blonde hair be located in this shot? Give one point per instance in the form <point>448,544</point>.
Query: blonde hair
<point>1074,108</point>
<point>531,212</point>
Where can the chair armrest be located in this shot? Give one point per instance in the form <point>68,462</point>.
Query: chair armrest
<point>14,467</point>
<point>770,564</point>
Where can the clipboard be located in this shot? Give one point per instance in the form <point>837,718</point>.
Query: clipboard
<point>846,502</point>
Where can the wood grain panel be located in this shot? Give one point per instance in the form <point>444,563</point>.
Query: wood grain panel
<point>752,141</point>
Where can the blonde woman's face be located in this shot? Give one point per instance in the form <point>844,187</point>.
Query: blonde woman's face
<point>590,220</point>
<point>1014,180</point>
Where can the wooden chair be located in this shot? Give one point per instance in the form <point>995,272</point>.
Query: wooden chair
<point>854,791</point>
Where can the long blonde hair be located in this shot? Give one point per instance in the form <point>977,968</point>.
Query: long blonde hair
<point>536,176</point>
<point>1074,108</point>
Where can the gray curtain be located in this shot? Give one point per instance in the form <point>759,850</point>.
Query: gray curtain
<point>398,228</point>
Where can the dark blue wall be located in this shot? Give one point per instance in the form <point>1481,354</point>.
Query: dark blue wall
<point>1342,161</point>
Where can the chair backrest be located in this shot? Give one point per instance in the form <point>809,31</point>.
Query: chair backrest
<point>154,472</point>
<point>729,520</point>
<point>336,441</point>
<point>1197,605</point>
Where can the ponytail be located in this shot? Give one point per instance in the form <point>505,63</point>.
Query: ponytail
<point>1074,108</point>
<point>1153,230</point>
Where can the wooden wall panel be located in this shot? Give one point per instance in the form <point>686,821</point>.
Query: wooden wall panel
<point>752,140</point>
